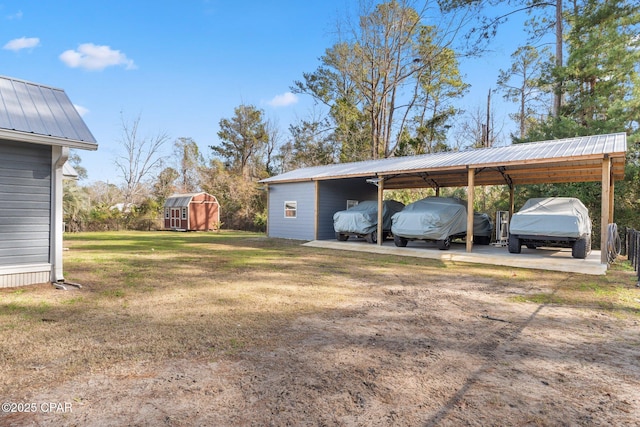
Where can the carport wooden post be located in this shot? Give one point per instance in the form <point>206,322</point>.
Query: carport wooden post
<point>611,193</point>
<point>604,209</point>
<point>512,189</point>
<point>380,209</point>
<point>470,193</point>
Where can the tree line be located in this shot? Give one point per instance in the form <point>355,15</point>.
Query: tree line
<point>391,85</point>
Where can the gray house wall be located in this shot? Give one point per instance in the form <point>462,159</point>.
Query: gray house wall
<point>333,196</point>
<point>25,203</point>
<point>303,225</point>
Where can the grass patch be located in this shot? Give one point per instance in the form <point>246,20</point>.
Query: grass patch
<point>541,299</point>
<point>151,296</point>
<point>113,293</point>
<point>616,292</point>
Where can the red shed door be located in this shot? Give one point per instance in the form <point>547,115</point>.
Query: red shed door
<point>175,217</point>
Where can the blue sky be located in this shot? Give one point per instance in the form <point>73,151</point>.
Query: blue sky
<point>181,66</point>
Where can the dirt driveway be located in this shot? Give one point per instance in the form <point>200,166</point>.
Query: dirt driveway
<point>406,349</point>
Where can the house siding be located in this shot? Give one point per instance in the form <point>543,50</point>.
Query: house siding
<point>301,227</point>
<point>25,203</point>
<point>333,196</point>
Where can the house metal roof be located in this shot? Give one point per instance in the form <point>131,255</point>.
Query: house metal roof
<point>564,160</point>
<point>36,113</point>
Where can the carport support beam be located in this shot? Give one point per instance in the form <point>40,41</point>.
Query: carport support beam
<point>611,194</point>
<point>511,201</point>
<point>604,210</point>
<point>470,193</point>
<point>380,231</point>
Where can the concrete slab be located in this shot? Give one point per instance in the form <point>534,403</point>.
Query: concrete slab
<point>553,259</point>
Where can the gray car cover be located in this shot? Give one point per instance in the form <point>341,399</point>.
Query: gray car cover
<point>363,218</point>
<point>433,218</point>
<point>436,218</point>
<point>482,225</point>
<point>552,216</point>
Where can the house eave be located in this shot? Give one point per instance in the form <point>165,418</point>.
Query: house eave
<point>46,140</point>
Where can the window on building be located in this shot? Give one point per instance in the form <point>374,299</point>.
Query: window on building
<point>290,209</point>
<point>184,213</point>
<point>166,213</point>
<point>351,203</point>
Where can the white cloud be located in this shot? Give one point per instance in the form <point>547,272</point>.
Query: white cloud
<point>22,43</point>
<point>92,57</point>
<point>17,15</point>
<point>81,110</point>
<point>283,100</point>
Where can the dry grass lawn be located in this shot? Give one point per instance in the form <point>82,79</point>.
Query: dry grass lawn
<point>233,328</point>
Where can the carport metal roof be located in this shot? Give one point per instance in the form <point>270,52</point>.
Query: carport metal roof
<point>564,160</point>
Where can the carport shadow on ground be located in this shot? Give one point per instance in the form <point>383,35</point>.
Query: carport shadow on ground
<point>552,259</point>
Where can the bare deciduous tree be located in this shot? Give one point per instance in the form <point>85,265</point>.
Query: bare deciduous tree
<point>472,130</point>
<point>274,141</point>
<point>140,160</point>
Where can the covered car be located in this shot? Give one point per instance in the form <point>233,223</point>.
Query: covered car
<point>361,220</point>
<point>439,219</point>
<point>552,221</point>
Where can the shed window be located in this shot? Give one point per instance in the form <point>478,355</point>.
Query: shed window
<point>290,209</point>
<point>166,213</point>
<point>184,213</point>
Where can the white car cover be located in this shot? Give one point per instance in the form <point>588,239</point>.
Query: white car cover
<point>553,217</point>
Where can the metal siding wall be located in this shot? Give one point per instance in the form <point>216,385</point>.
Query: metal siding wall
<point>25,202</point>
<point>333,198</point>
<point>301,227</point>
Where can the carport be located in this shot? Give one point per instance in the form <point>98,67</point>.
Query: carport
<point>581,159</point>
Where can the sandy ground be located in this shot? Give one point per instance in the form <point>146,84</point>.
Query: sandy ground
<point>410,352</point>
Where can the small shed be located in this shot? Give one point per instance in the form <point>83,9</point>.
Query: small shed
<point>192,212</point>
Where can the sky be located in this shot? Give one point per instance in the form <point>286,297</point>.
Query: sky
<point>180,66</point>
